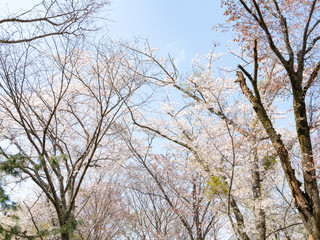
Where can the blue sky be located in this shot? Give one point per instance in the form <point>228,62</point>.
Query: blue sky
<point>181,28</point>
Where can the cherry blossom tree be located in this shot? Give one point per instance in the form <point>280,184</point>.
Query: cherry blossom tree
<point>168,197</point>
<point>285,34</point>
<point>43,22</point>
<point>58,114</point>
<point>212,123</point>
<point>102,216</point>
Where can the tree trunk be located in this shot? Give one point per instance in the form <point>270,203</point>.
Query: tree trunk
<point>312,218</point>
<point>239,219</point>
<point>259,214</point>
<point>307,202</point>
